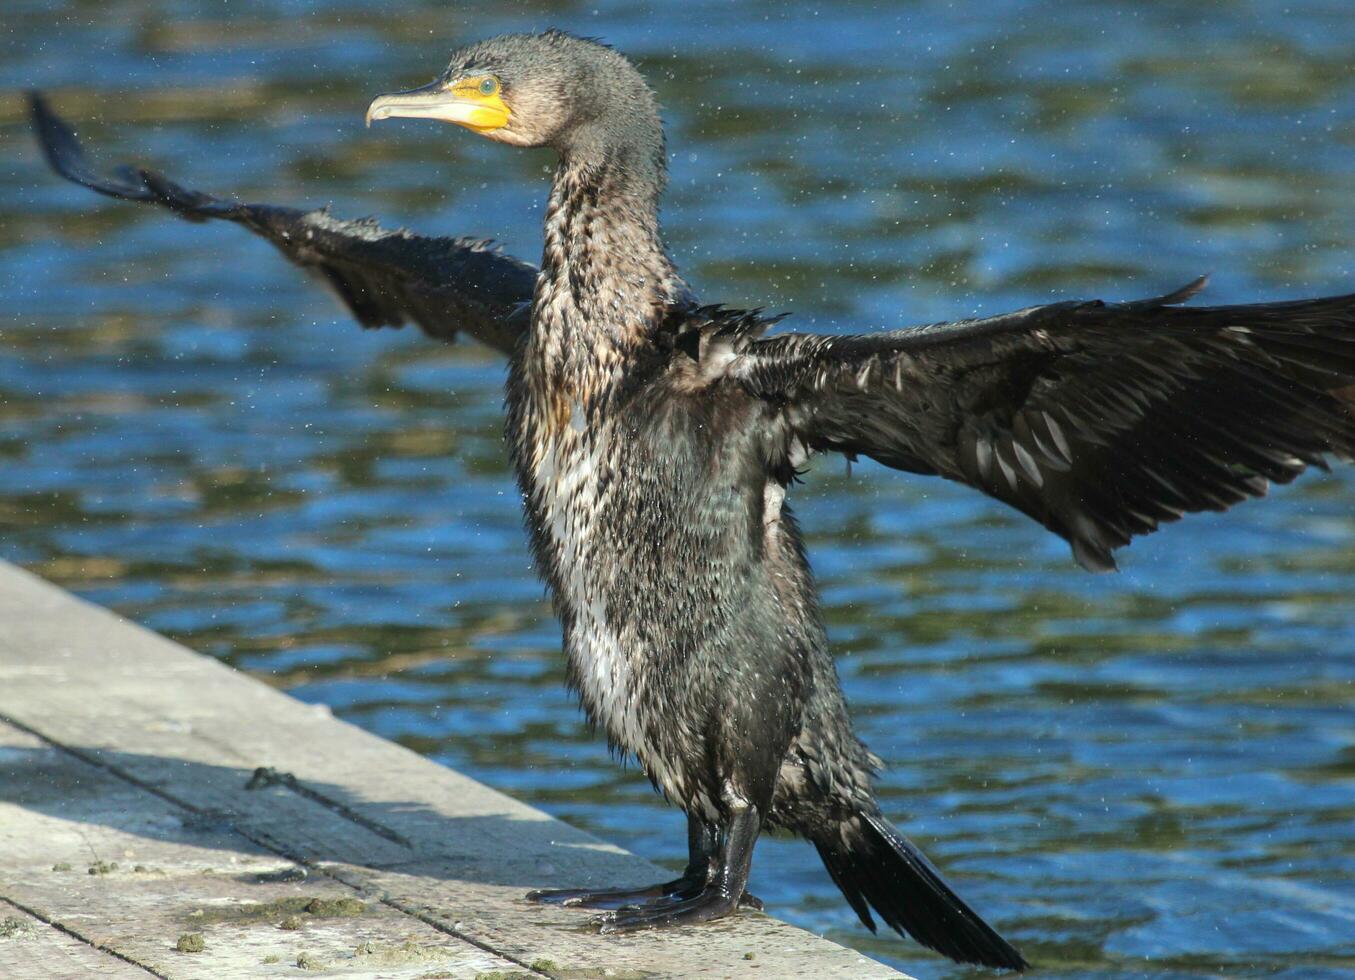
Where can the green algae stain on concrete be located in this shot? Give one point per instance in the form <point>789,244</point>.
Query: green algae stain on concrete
<point>309,961</point>
<point>403,954</point>
<point>331,908</point>
<point>12,927</point>
<point>287,913</point>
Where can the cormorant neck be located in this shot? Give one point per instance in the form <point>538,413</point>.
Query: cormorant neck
<point>606,281</point>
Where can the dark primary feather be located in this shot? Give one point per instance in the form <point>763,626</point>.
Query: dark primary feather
<point>875,866</point>
<point>1100,420</point>
<point>386,278</point>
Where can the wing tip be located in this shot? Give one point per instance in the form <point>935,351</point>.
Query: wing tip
<point>1186,292</point>
<point>52,132</point>
<point>62,150</point>
<point>1173,298</point>
<point>1093,556</point>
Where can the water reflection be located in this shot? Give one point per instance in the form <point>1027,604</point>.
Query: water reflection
<point>1153,772</point>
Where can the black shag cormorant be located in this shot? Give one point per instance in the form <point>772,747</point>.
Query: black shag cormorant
<point>654,440</point>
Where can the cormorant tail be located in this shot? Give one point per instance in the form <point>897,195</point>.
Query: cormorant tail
<point>875,866</point>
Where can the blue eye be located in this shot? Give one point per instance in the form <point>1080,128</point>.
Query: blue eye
<point>489,86</point>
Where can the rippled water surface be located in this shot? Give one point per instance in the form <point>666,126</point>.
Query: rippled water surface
<point>1145,773</point>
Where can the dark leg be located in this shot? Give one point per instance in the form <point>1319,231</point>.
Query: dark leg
<point>719,895</point>
<point>703,850</point>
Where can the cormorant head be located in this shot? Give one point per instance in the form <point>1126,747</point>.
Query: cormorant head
<point>575,95</point>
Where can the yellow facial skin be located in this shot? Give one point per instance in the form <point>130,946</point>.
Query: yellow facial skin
<point>475,102</point>
<point>483,94</point>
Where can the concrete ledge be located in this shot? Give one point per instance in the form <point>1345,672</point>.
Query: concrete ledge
<point>136,838</point>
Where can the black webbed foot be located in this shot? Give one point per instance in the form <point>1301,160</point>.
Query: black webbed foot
<point>614,898</point>
<point>711,887</point>
<point>722,887</point>
<point>703,850</point>
<point>711,903</point>
<point>667,894</point>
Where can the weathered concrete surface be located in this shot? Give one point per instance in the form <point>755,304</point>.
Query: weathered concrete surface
<point>129,838</point>
<point>30,947</point>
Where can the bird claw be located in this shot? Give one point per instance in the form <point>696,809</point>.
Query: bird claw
<point>616,898</point>
<point>703,907</point>
<point>550,896</point>
<point>600,922</point>
<point>650,914</point>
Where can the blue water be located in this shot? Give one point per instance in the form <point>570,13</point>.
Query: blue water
<point>1144,774</point>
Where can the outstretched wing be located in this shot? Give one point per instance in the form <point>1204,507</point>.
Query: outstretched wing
<point>1100,420</point>
<point>386,278</point>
